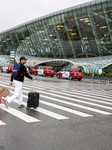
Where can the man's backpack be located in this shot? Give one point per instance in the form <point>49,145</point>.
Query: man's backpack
<point>16,70</point>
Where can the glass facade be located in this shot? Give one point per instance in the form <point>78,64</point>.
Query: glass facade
<point>78,32</point>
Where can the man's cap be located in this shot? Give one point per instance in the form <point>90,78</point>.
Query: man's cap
<point>22,58</point>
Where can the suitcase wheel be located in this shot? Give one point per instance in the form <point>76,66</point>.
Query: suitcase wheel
<point>27,108</point>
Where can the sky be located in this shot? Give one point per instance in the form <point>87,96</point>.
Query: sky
<point>16,12</point>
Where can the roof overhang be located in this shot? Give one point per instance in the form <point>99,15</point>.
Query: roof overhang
<point>58,62</point>
<point>106,65</point>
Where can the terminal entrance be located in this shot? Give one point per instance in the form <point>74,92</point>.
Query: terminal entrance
<point>57,65</point>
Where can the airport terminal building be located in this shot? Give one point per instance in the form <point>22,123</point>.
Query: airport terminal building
<point>79,36</point>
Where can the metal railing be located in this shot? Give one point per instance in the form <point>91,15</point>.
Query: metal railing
<point>107,80</point>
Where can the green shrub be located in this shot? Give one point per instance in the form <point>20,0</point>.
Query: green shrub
<point>95,74</point>
<point>108,75</point>
<point>103,74</point>
<point>87,74</point>
<point>99,75</point>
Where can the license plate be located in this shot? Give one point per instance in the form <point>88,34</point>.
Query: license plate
<point>79,73</point>
<point>51,71</point>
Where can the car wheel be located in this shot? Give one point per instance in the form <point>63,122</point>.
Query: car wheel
<point>58,76</point>
<point>35,73</point>
<point>44,74</point>
<point>79,79</point>
<point>70,77</point>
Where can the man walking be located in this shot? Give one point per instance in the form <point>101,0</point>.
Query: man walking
<point>18,80</point>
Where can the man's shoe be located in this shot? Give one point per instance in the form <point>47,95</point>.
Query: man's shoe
<point>5,102</point>
<point>21,106</point>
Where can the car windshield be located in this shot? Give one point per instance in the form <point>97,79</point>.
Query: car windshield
<point>50,69</point>
<point>42,68</point>
<point>78,70</point>
<point>63,69</point>
<point>67,69</point>
<point>71,70</point>
<point>11,65</point>
<point>32,67</point>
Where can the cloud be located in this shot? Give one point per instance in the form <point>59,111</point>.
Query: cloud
<point>16,12</point>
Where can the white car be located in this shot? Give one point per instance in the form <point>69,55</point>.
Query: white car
<point>8,68</point>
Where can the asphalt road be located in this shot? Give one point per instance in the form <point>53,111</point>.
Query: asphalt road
<point>73,115</point>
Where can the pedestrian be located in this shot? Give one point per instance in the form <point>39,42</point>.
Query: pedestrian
<point>17,81</point>
<point>29,69</point>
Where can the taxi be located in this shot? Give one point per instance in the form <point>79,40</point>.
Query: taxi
<point>7,68</point>
<point>33,70</point>
<point>70,73</point>
<point>46,71</point>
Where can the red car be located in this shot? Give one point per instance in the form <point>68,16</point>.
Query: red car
<point>46,70</point>
<point>33,70</point>
<point>71,73</point>
<point>8,68</point>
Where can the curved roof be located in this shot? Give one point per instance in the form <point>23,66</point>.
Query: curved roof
<point>93,68</point>
<point>59,12</point>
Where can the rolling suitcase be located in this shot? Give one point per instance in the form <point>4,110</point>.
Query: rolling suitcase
<point>4,92</point>
<point>33,100</point>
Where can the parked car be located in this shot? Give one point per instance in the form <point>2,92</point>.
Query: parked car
<point>70,73</point>
<point>46,71</point>
<point>8,68</point>
<point>33,70</point>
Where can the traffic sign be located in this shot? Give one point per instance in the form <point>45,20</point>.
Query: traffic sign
<point>12,54</point>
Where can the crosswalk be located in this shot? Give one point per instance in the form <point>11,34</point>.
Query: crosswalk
<point>59,102</point>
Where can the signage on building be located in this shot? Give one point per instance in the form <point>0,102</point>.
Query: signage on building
<point>11,58</point>
<point>12,54</point>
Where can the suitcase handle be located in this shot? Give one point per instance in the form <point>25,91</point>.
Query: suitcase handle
<point>32,88</point>
<point>8,86</point>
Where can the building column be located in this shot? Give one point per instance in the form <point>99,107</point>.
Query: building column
<point>82,41</point>
<point>40,41</point>
<point>59,40</point>
<point>98,44</point>
<point>66,29</point>
<point>48,39</point>
<point>107,21</point>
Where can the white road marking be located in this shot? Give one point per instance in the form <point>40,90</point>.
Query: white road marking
<point>61,107</point>
<point>66,109</point>
<point>46,112</point>
<point>72,99</point>
<point>75,92</point>
<point>69,103</point>
<point>19,114</point>
<point>77,105</point>
<point>2,123</point>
